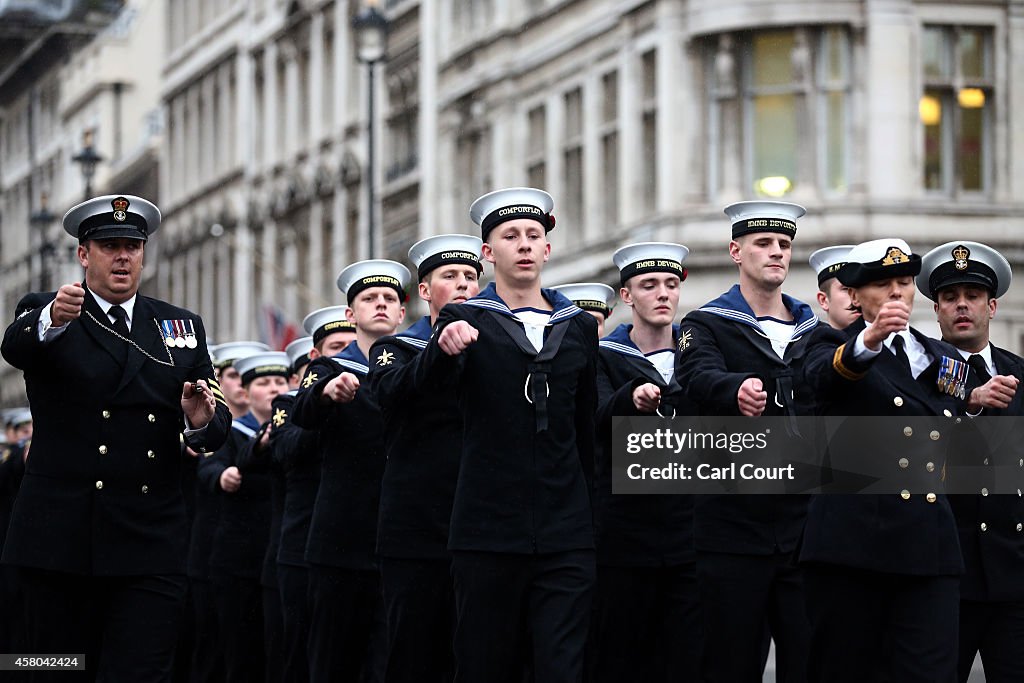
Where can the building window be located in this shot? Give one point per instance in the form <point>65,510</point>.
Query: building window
<point>956,108</point>
<point>780,112</point>
<point>402,138</point>
<point>609,132</point>
<point>536,145</point>
<point>649,127</point>
<point>473,165</point>
<point>572,160</point>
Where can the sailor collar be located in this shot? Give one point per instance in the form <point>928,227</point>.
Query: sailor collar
<point>732,306</point>
<point>562,308</point>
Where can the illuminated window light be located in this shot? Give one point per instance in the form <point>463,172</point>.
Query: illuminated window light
<point>971,98</point>
<point>930,110</point>
<point>773,185</point>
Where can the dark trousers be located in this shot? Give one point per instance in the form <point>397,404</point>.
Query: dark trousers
<point>126,626</point>
<point>740,596</point>
<point>647,625</point>
<point>996,630</point>
<point>420,606</point>
<point>186,639</point>
<point>207,658</point>
<point>12,611</point>
<point>501,599</point>
<point>240,613</point>
<point>867,626</point>
<point>273,635</point>
<point>346,632</point>
<point>293,583</point>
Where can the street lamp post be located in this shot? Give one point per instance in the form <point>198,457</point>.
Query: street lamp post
<point>41,221</point>
<point>371,30</point>
<point>87,159</point>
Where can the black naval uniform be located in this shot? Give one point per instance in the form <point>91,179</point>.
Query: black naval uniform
<point>296,451</point>
<point>12,469</point>
<point>881,570</point>
<point>423,442</point>
<point>344,583</point>
<point>207,664</point>
<point>521,528</point>
<point>748,580</point>
<point>239,541</point>
<point>647,622</point>
<point>100,521</point>
<point>991,531</point>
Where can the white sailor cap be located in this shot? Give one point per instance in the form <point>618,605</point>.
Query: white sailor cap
<point>764,216</point>
<point>225,355</point>
<point>881,259</point>
<point>826,262</point>
<point>325,321</point>
<point>298,351</point>
<point>17,416</point>
<point>112,215</point>
<point>590,296</point>
<point>267,364</point>
<point>650,257</point>
<point>373,273</point>
<point>494,208</point>
<point>961,263</point>
<point>440,250</point>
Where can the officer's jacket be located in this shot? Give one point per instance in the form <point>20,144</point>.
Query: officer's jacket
<point>343,530</point>
<point>893,533</point>
<point>523,485</point>
<point>721,345</point>
<point>650,530</point>
<point>423,441</point>
<point>243,528</point>
<point>102,487</point>
<point>991,526</point>
<point>297,454</point>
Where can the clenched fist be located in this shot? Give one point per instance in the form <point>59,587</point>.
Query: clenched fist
<point>68,304</point>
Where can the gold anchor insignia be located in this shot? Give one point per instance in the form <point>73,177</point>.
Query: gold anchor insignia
<point>893,256</point>
<point>279,417</point>
<point>308,381</point>
<point>385,357</point>
<point>684,340</point>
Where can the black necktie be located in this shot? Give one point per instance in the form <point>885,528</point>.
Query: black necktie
<point>120,317</point>
<point>980,369</point>
<point>901,353</point>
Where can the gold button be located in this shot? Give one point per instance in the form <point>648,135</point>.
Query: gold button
<point>106,414</point>
<point>150,454</point>
<point>103,450</point>
<point>984,491</point>
<point>934,435</point>
<point>947,413</point>
<point>984,527</point>
<point>151,417</point>
<point>202,449</point>
<point>904,463</point>
<point>1018,493</point>
<point>907,431</point>
<point>898,401</point>
<point>958,420</point>
<point>930,466</point>
<point>1020,527</point>
<point>905,494</point>
<point>145,489</point>
<point>931,497</point>
<point>99,485</point>
<point>985,461</point>
<point>1022,462</point>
